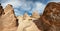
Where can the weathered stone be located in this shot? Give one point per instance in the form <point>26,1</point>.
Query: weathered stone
<point>8,19</point>
<point>1,12</point>
<point>26,23</point>
<point>51,17</point>
<point>35,14</point>
<point>26,16</point>
<point>49,21</point>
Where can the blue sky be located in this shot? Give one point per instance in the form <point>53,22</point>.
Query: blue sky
<point>22,6</point>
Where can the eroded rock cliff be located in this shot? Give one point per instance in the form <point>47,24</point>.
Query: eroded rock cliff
<point>8,19</point>
<point>48,21</point>
<point>26,23</point>
<point>51,17</point>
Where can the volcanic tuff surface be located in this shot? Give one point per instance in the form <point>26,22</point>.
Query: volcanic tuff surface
<point>51,17</point>
<point>48,21</point>
<point>8,19</point>
<point>1,12</point>
<point>26,23</point>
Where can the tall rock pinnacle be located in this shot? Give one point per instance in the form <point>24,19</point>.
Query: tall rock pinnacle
<point>9,8</point>
<point>35,14</point>
<point>26,16</point>
<point>26,23</point>
<point>8,19</point>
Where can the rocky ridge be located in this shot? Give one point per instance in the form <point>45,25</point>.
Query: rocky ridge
<point>8,19</point>
<point>48,21</point>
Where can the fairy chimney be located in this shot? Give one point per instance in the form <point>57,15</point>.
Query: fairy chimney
<point>26,16</point>
<point>35,14</point>
<point>8,19</point>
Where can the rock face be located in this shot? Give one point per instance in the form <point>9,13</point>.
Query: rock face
<point>35,14</point>
<point>8,19</point>
<point>51,17</point>
<point>1,12</point>
<point>26,23</point>
<point>48,21</point>
<point>26,16</point>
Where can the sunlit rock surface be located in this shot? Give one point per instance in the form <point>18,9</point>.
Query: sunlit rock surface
<point>8,19</point>
<point>26,16</point>
<point>26,23</point>
<point>48,21</point>
<point>35,14</point>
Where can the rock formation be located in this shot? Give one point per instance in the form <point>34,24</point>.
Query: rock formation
<point>26,23</point>
<point>1,10</point>
<point>1,13</point>
<point>51,17</point>
<point>26,16</point>
<point>8,19</point>
<point>48,21</point>
<point>35,14</point>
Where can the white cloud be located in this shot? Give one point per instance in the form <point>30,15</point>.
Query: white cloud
<point>39,7</point>
<point>24,5</point>
<point>15,3</point>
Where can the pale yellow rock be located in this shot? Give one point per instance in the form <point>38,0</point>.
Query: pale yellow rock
<point>26,23</point>
<point>35,14</point>
<point>20,18</point>
<point>32,27</point>
<point>26,16</point>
